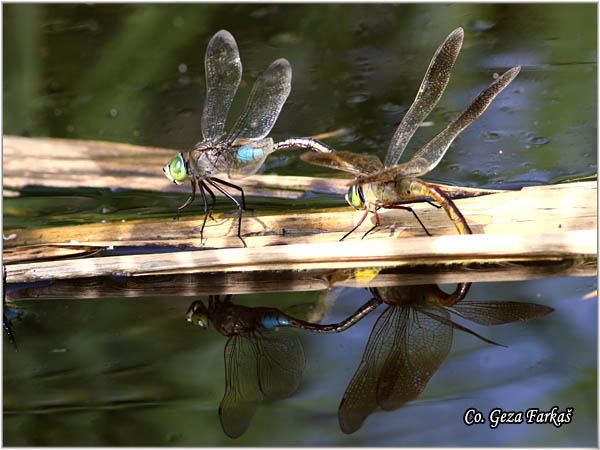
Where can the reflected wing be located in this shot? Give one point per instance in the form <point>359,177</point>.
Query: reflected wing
<point>360,398</point>
<point>354,163</point>
<point>280,364</point>
<point>421,343</point>
<point>223,74</point>
<point>431,90</point>
<point>267,97</point>
<point>499,312</point>
<point>428,156</point>
<point>242,390</point>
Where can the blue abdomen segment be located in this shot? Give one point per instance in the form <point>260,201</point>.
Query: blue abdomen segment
<point>248,153</point>
<point>273,321</point>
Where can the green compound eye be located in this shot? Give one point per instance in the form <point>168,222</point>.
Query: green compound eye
<point>175,170</point>
<point>197,315</point>
<point>353,198</point>
<point>200,319</point>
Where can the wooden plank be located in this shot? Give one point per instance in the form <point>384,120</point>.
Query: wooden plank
<point>332,255</point>
<point>537,209</point>
<point>195,284</point>
<point>72,163</point>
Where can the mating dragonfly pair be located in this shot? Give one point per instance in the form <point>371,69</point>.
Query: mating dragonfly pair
<point>243,150</point>
<point>408,343</point>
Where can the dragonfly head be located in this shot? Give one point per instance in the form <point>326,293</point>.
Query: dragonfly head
<point>197,314</point>
<point>355,197</point>
<point>175,170</point>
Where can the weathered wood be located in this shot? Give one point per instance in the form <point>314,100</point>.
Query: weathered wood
<point>531,210</point>
<point>193,285</point>
<point>73,163</point>
<point>47,251</point>
<point>575,245</point>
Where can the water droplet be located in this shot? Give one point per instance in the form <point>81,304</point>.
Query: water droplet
<point>500,152</point>
<point>182,68</point>
<point>539,140</point>
<point>114,113</point>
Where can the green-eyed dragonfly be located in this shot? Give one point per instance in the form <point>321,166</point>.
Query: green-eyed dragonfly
<point>390,184</point>
<point>259,363</point>
<point>411,339</point>
<point>242,151</point>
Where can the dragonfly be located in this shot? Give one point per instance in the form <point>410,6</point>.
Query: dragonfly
<point>260,364</point>
<point>390,184</point>
<point>242,151</point>
<point>411,339</point>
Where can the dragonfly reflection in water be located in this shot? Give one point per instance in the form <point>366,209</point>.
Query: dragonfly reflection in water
<point>260,364</point>
<point>411,339</point>
<point>243,150</point>
<point>390,184</point>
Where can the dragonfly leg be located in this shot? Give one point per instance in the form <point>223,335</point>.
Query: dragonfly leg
<point>433,204</point>
<point>201,188</point>
<point>233,186</point>
<point>213,182</point>
<point>189,201</point>
<point>408,208</point>
<point>356,226</point>
<point>377,223</point>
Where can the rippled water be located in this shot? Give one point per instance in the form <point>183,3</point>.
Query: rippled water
<point>133,372</point>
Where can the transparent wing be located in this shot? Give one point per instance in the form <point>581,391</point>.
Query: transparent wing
<point>242,391</point>
<point>421,344</point>
<point>428,156</point>
<point>354,163</point>
<point>499,312</point>
<point>267,97</point>
<point>281,363</point>
<point>244,158</point>
<point>360,398</point>
<point>431,90</point>
<point>223,74</point>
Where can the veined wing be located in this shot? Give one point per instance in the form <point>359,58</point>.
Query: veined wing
<point>280,364</point>
<point>244,158</point>
<point>267,97</point>
<point>360,398</point>
<point>421,344</point>
<point>354,163</point>
<point>242,390</point>
<point>428,156</point>
<point>432,87</point>
<point>223,74</point>
<point>499,312</point>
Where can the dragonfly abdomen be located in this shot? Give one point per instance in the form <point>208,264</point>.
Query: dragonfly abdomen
<point>248,153</point>
<point>413,188</point>
<point>273,321</point>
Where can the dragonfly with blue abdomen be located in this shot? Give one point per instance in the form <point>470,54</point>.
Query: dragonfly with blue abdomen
<point>390,185</point>
<point>411,339</point>
<point>260,364</point>
<point>242,151</point>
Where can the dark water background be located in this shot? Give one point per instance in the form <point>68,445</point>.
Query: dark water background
<point>132,372</point>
